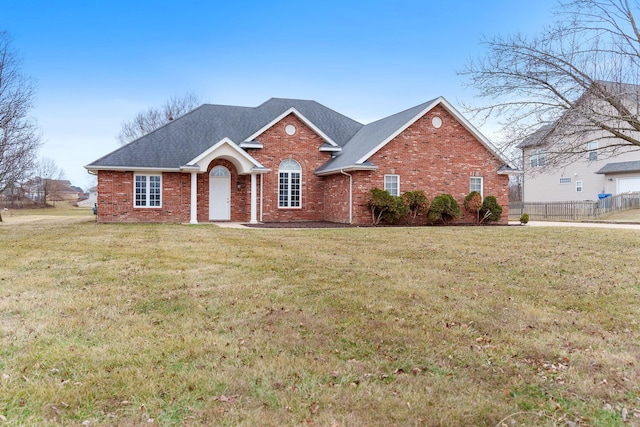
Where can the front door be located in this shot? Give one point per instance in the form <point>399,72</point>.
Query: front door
<point>220,194</point>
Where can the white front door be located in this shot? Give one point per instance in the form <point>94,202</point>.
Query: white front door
<point>220,194</point>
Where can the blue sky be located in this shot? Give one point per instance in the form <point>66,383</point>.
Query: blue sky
<point>98,63</point>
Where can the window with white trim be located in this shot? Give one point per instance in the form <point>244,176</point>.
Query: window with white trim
<point>592,148</point>
<point>578,186</point>
<point>392,184</point>
<point>565,180</point>
<point>289,184</point>
<point>536,158</point>
<point>476,184</point>
<point>147,191</point>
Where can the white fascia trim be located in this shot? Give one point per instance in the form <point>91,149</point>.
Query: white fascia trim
<point>347,169</point>
<point>251,144</point>
<point>260,170</point>
<point>330,149</point>
<point>472,129</point>
<point>130,169</point>
<point>465,123</point>
<point>233,146</point>
<point>398,131</point>
<point>511,172</point>
<point>301,117</point>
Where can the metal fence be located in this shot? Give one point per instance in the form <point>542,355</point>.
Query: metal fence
<point>559,211</point>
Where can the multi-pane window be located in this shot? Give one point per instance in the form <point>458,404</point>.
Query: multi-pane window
<point>537,158</point>
<point>148,190</point>
<point>392,184</point>
<point>592,148</point>
<point>578,186</point>
<point>565,180</point>
<point>475,184</point>
<point>289,184</point>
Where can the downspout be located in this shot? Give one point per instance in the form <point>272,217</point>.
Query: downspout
<point>350,195</point>
<point>261,181</point>
<point>524,165</point>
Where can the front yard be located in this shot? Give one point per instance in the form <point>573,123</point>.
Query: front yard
<point>197,325</point>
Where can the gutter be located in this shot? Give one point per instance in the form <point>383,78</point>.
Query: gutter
<point>348,168</point>
<point>350,195</point>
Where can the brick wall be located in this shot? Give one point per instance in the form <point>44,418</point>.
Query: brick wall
<point>336,198</point>
<point>302,147</point>
<point>115,199</point>
<point>435,160</point>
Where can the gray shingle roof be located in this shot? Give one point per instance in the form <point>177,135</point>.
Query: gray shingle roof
<point>177,143</point>
<point>620,167</point>
<point>537,138</point>
<point>370,136</point>
<point>626,92</point>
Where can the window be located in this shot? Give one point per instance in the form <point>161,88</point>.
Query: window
<point>593,150</point>
<point>565,180</point>
<point>148,191</point>
<point>537,158</point>
<point>578,186</point>
<point>392,184</point>
<point>289,184</point>
<point>475,184</point>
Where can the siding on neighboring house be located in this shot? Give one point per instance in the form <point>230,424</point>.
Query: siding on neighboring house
<point>544,184</point>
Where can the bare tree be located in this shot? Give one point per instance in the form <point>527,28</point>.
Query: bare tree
<point>19,139</point>
<point>153,118</point>
<point>574,81</point>
<point>49,175</point>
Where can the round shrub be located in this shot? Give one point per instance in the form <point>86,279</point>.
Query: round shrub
<point>385,207</point>
<point>444,208</point>
<point>473,203</point>
<point>524,218</point>
<point>417,202</point>
<point>490,210</point>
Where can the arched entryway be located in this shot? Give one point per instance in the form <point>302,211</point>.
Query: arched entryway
<point>219,194</point>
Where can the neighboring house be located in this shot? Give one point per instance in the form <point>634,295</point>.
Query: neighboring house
<point>293,160</point>
<point>600,165</point>
<point>91,198</point>
<point>54,189</point>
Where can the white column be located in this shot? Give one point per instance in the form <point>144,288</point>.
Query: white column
<point>254,198</point>
<point>194,198</point>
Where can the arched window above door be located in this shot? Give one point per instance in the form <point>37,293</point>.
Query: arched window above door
<point>219,171</point>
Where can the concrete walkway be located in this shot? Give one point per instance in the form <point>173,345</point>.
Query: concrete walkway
<point>227,224</point>
<point>592,224</point>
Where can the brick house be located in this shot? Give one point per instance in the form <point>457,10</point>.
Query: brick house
<point>293,160</point>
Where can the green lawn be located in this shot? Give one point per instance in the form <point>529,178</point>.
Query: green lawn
<point>198,325</point>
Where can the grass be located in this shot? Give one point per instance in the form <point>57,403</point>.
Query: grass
<point>631,215</point>
<point>197,325</point>
<point>63,209</point>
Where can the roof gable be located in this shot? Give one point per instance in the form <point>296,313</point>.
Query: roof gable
<point>595,105</point>
<point>335,128</point>
<point>374,136</point>
<point>284,114</point>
